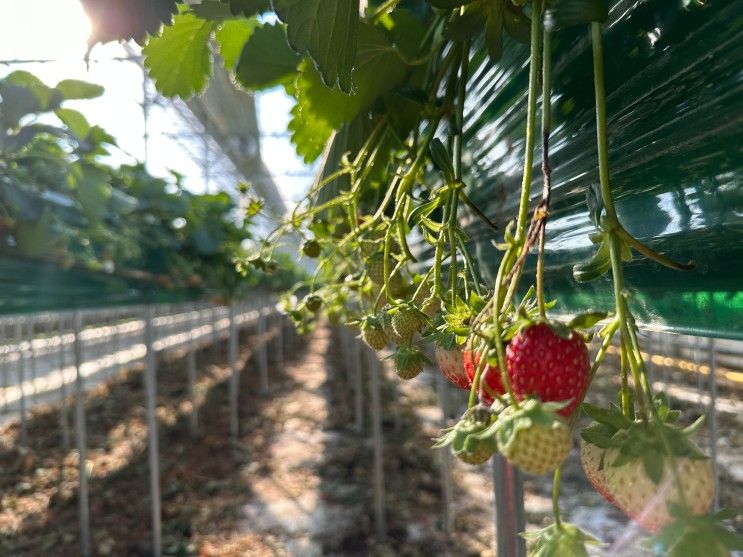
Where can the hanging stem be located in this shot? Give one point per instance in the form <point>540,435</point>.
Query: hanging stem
<point>623,313</point>
<point>556,497</point>
<point>546,169</point>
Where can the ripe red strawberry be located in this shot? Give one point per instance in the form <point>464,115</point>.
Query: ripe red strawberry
<point>533,437</point>
<point>490,379</point>
<point>451,364</point>
<point>646,502</point>
<point>543,364</point>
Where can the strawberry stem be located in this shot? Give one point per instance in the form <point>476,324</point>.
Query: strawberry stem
<point>556,497</point>
<point>624,315</point>
<point>546,170</point>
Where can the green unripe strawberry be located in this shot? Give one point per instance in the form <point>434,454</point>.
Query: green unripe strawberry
<point>385,320</point>
<point>406,322</point>
<point>372,333</point>
<point>409,362</point>
<point>311,248</point>
<point>313,302</point>
<point>471,439</point>
<point>533,437</point>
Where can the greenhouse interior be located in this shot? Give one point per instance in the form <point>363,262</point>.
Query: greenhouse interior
<point>371,278</point>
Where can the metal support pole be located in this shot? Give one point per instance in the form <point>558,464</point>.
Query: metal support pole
<point>234,384</point>
<point>355,348</point>
<point>4,369</point>
<point>63,417</point>
<point>509,509</point>
<point>30,331</point>
<point>191,377</point>
<point>81,438</point>
<point>375,369</point>
<point>262,352</point>
<point>712,417</point>
<point>445,456</point>
<point>279,341</point>
<point>21,381</point>
<point>153,449</point>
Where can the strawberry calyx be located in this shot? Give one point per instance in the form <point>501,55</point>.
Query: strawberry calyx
<point>652,442</point>
<point>696,535</point>
<point>563,540</point>
<point>471,439</point>
<point>409,362</point>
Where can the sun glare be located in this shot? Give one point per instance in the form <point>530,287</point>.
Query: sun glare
<point>43,29</point>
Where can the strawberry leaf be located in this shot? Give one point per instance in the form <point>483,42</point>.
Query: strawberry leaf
<point>586,320</point>
<point>327,30</point>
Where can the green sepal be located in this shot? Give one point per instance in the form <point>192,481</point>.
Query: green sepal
<point>695,535</point>
<point>564,541</point>
<point>596,266</point>
<point>494,32</point>
<point>442,159</point>
<point>587,319</point>
<point>529,412</point>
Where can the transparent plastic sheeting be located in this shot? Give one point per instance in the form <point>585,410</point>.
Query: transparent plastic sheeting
<point>675,109</point>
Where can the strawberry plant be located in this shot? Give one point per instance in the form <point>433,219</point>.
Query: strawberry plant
<point>382,94</point>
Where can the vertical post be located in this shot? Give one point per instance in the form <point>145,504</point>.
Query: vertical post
<point>279,340</point>
<point>700,376</point>
<point>81,437</point>
<point>21,380</point>
<point>712,416</point>
<point>445,455</point>
<point>355,347</point>
<point>63,418</point>
<point>234,384</point>
<point>509,509</point>
<point>215,334</point>
<point>30,332</point>
<point>375,369</point>
<point>4,371</point>
<point>262,352</point>
<point>153,449</point>
<point>191,374</point>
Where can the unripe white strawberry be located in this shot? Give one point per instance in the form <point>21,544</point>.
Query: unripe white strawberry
<point>647,502</point>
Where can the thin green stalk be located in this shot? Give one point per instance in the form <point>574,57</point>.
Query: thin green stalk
<point>546,170</point>
<point>622,308</point>
<point>531,125</point>
<point>556,497</point>
<point>531,121</point>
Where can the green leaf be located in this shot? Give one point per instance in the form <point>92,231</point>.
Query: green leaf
<point>517,25</point>
<point>212,9</point>
<point>75,121</point>
<point>92,189</point>
<point>326,30</point>
<point>178,59</point>
<point>465,26</point>
<point>266,59</point>
<point>43,93</point>
<point>595,267</point>
<point>231,38</point>
<point>448,4</point>
<point>249,7</point>
<point>565,13</point>
<point>77,89</point>
<point>321,110</point>
<point>442,159</point>
<point>494,33</point>
<point>587,319</point>
<point>607,417</point>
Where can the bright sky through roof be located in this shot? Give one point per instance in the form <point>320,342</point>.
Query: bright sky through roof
<point>57,30</point>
